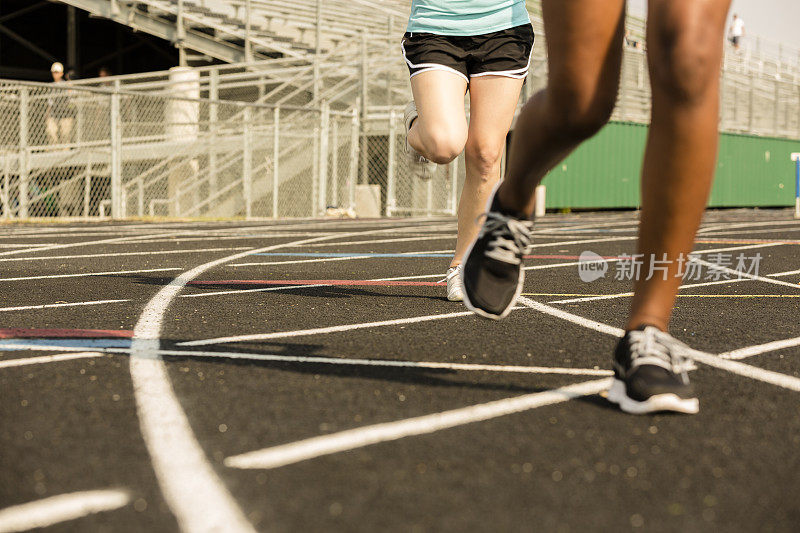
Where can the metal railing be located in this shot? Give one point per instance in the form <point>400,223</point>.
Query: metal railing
<point>78,152</point>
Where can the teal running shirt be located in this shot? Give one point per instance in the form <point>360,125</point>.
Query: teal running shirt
<point>466,17</point>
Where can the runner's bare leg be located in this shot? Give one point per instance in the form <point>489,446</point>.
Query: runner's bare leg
<point>684,45</point>
<point>584,46</point>
<point>493,102</point>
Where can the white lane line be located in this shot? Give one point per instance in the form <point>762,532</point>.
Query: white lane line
<point>384,241</point>
<point>26,245</point>
<point>689,286</point>
<point>753,232</point>
<point>193,491</point>
<point>747,275</point>
<point>356,438</point>
<point>57,509</point>
<point>393,363</point>
<point>291,287</point>
<point>716,361</point>
<point>132,239</point>
<point>582,241</point>
<point>534,267</point>
<point>323,331</point>
<point>571,227</point>
<point>468,367</point>
<point>126,254</point>
<point>50,306</point>
<point>49,359</point>
<point>750,351</point>
<point>300,261</point>
<point>89,274</point>
<point>739,225</point>
<point>787,273</point>
<point>753,372</point>
<point>629,294</point>
<point>365,255</point>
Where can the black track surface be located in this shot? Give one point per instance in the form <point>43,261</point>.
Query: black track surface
<point>72,425</point>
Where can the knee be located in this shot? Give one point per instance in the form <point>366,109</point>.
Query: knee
<point>684,56</point>
<point>443,145</point>
<point>576,113</point>
<point>483,157</point>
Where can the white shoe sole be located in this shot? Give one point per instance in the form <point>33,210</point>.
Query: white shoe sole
<point>659,402</point>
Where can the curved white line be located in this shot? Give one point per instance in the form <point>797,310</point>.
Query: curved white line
<point>56,509</point>
<point>193,491</point>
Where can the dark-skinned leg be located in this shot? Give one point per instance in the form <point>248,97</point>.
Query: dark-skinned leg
<point>685,51</point>
<point>584,46</point>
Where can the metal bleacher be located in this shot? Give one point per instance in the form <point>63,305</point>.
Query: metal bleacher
<point>332,72</point>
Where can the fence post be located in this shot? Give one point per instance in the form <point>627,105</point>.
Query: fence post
<point>453,200</point>
<point>213,118</point>
<point>355,130</point>
<point>87,187</point>
<point>751,102</point>
<point>324,146</point>
<point>248,47</point>
<point>180,36</point>
<point>389,72</point>
<point>775,118</point>
<point>624,88</point>
<point>317,47</point>
<point>23,152</point>
<point>334,173</point>
<point>315,164</point>
<point>391,186</point>
<point>116,158</point>
<point>276,157</point>
<point>364,105</point>
<point>6,186</point>
<point>247,166</point>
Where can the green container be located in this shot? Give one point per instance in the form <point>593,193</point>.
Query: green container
<point>605,171</point>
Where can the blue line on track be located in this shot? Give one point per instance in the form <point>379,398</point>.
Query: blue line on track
<point>333,254</point>
<point>67,343</point>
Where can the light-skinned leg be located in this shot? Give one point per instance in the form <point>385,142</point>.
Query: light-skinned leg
<point>440,132</point>
<point>493,102</point>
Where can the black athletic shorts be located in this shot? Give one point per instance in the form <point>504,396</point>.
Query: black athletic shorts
<point>500,53</point>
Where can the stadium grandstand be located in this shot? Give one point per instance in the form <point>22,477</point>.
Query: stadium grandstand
<point>270,99</point>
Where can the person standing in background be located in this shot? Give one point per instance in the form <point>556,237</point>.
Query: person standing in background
<point>736,31</point>
<point>60,116</point>
<point>60,123</point>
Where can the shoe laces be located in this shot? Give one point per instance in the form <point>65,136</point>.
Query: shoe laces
<point>510,237</point>
<point>451,273</point>
<point>652,346</point>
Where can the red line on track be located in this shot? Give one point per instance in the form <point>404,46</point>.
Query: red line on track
<point>319,282</point>
<point>21,333</point>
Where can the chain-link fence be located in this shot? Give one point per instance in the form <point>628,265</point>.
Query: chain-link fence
<point>67,152</point>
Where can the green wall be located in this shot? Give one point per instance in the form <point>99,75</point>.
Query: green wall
<point>604,172</point>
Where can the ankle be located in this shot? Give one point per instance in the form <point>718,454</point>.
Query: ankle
<point>501,204</point>
<point>643,322</point>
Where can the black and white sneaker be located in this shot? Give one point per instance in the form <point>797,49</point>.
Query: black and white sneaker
<point>650,374</point>
<point>492,274</point>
